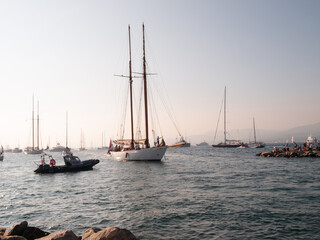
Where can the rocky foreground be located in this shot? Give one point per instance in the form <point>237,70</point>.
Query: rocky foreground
<point>291,153</point>
<point>24,232</point>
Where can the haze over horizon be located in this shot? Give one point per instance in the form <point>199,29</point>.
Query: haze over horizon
<point>66,53</point>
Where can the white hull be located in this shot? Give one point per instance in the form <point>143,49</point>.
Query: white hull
<point>146,154</point>
<point>34,152</point>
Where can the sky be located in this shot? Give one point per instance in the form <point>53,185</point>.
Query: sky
<point>67,52</point>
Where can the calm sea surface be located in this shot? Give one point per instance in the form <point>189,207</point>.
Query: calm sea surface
<point>194,193</point>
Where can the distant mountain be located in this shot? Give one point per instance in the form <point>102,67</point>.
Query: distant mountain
<point>300,134</point>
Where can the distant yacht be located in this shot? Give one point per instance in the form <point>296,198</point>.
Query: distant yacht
<point>227,143</point>
<point>255,144</point>
<point>82,148</point>
<point>33,149</point>
<point>203,144</point>
<point>311,140</point>
<point>16,150</point>
<point>8,149</point>
<point>58,148</point>
<point>181,143</point>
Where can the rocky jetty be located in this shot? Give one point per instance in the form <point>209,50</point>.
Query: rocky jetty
<point>24,232</point>
<point>291,153</point>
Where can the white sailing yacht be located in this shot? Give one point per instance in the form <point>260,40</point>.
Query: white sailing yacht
<point>256,144</point>
<point>33,149</point>
<point>59,147</point>
<point>227,143</point>
<point>137,149</point>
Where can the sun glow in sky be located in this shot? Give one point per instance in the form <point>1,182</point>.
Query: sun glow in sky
<point>66,54</point>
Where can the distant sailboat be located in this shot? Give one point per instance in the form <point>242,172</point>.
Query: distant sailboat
<point>181,143</point>
<point>33,149</point>
<point>58,147</point>
<point>227,143</point>
<point>137,149</point>
<point>82,148</point>
<point>256,144</point>
<point>103,147</point>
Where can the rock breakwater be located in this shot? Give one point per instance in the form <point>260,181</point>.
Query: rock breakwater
<point>291,153</point>
<point>23,231</point>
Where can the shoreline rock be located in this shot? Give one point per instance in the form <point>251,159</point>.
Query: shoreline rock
<point>23,232</point>
<point>291,153</point>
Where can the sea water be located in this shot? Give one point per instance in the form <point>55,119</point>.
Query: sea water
<point>194,193</point>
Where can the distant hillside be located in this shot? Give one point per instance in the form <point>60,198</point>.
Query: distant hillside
<point>300,134</point>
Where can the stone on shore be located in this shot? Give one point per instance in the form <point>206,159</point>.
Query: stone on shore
<point>111,233</point>
<point>2,231</point>
<point>23,232</point>
<point>61,235</point>
<point>89,232</point>
<point>32,233</point>
<point>14,237</point>
<point>18,229</point>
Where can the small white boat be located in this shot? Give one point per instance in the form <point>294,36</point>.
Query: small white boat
<point>311,140</point>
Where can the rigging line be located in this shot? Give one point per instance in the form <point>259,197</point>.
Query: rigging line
<point>124,113</point>
<point>151,108</point>
<point>138,128</point>
<point>168,102</point>
<point>215,134</point>
<point>156,113</point>
<point>168,111</point>
<point>168,108</point>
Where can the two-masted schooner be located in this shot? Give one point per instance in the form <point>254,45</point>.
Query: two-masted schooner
<point>137,149</point>
<point>32,149</point>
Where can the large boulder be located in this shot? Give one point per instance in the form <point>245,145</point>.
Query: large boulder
<point>89,232</point>
<point>32,233</point>
<point>14,237</point>
<point>61,235</point>
<point>111,233</point>
<point>18,229</point>
<point>2,231</point>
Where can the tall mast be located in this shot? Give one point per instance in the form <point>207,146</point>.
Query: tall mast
<point>66,129</point>
<point>225,115</point>
<point>145,89</point>
<point>32,122</point>
<point>130,82</point>
<point>254,131</point>
<point>38,128</point>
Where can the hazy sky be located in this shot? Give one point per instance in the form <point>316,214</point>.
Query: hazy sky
<point>66,53</point>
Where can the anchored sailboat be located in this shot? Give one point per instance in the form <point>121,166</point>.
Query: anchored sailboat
<point>227,143</point>
<point>33,149</point>
<point>256,144</point>
<point>137,149</point>
<point>59,147</point>
<point>82,148</point>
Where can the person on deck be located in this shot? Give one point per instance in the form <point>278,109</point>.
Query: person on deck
<point>52,162</point>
